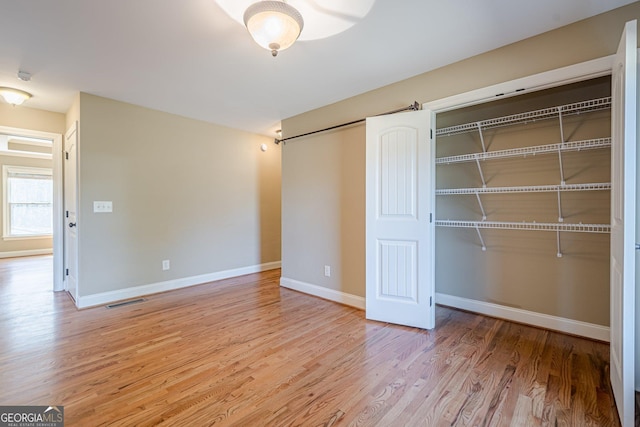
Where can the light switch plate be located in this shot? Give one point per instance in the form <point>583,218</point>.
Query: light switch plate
<point>102,206</point>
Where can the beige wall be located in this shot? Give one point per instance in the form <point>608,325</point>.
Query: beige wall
<point>31,119</point>
<point>28,119</point>
<point>330,166</point>
<point>203,196</point>
<point>323,210</point>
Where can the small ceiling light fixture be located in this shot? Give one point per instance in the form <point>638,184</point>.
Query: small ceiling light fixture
<point>274,25</point>
<point>14,96</point>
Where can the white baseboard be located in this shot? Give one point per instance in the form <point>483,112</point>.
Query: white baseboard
<point>322,292</point>
<point>103,298</point>
<point>31,252</point>
<point>561,324</point>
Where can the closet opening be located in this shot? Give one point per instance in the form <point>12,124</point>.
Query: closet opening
<point>523,205</point>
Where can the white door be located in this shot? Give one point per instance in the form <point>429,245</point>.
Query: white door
<point>70,211</point>
<point>399,230</point>
<point>623,227</point>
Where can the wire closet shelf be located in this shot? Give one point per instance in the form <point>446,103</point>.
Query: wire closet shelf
<point>529,116</point>
<point>527,189</point>
<point>525,151</point>
<point>531,226</point>
<point>556,112</point>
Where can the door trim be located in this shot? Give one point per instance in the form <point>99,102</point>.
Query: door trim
<point>562,76</point>
<point>58,226</point>
<point>74,129</point>
<point>566,75</point>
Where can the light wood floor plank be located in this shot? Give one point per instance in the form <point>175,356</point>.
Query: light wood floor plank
<point>245,352</point>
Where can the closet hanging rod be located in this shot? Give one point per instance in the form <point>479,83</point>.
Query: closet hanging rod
<point>413,107</point>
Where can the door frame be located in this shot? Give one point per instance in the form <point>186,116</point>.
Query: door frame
<point>73,130</point>
<point>559,77</point>
<point>58,226</point>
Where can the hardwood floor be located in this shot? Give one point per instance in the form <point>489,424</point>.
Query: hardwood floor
<point>246,352</point>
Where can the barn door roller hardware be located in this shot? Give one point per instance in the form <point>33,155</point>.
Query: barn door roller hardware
<point>413,107</point>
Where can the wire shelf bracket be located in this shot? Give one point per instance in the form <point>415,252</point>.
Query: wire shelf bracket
<point>484,148</point>
<point>484,183</point>
<point>560,217</point>
<point>484,247</point>
<point>559,253</point>
<point>484,215</point>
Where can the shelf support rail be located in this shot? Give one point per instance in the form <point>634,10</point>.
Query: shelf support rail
<point>484,149</point>
<point>484,247</point>
<point>560,217</point>
<point>561,146</point>
<point>484,184</point>
<point>484,215</point>
<point>559,253</point>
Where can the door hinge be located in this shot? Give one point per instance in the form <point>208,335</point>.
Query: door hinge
<point>430,216</point>
<point>66,214</point>
<point>66,155</point>
<point>430,301</point>
<point>637,246</point>
<point>431,133</point>
<point>66,272</point>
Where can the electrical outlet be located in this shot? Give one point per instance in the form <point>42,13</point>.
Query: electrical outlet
<point>327,270</point>
<point>166,264</point>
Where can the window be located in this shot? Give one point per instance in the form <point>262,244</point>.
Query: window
<point>28,202</point>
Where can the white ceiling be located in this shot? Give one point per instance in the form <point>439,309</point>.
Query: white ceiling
<point>190,58</point>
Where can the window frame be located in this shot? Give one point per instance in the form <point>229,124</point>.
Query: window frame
<point>6,210</point>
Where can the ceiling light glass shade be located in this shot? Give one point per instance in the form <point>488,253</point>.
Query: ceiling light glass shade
<point>14,96</point>
<point>322,18</point>
<point>274,25</point>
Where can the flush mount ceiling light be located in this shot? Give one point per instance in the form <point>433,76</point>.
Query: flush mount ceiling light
<point>322,18</point>
<point>274,25</point>
<point>14,96</point>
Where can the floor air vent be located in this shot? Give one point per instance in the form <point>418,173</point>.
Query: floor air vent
<point>120,304</point>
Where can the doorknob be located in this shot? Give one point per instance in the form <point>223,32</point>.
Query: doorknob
<point>72,224</point>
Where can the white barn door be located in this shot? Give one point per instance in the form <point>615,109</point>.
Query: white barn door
<point>399,231</point>
<point>623,222</point>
